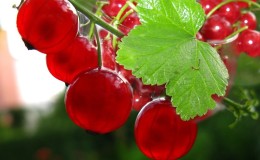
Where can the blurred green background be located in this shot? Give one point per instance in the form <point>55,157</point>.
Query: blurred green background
<point>52,136</point>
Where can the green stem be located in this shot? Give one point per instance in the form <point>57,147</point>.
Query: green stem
<point>92,17</point>
<point>236,105</point>
<point>117,21</point>
<point>228,1</point>
<point>98,47</point>
<point>236,32</point>
<point>92,25</point>
<point>131,4</point>
<point>125,15</point>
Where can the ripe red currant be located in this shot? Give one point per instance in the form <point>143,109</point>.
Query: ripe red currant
<point>216,28</point>
<point>47,26</point>
<point>208,5</point>
<point>244,4</point>
<point>230,11</point>
<point>78,57</point>
<point>248,42</point>
<point>161,134</point>
<point>129,23</point>
<point>99,101</point>
<point>113,7</point>
<point>248,19</point>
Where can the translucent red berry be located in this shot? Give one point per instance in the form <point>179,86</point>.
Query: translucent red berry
<point>208,5</point>
<point>216,28</point>
<point>80,56</point>
<point>47,25</point>
<point>230,11</point>
<point>99,101</point>
<point>161,134</point>
<point>248,42</point>
<point>244,4</point>
<point>113,7</point>
<point>248,19</point>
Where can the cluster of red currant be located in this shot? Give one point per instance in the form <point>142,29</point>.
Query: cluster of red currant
<point>101,93</point>
<point>227,17</point>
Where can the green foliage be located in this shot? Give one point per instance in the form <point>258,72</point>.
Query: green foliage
<point>247,71</point>
<point>164,49</point>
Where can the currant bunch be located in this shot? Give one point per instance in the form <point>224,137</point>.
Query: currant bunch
<point>101,93</point>
<point>228,19</point>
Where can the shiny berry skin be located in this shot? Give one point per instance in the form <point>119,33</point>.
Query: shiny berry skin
<point>47,25</point>
<point>248,42</point>
<point>80,56</point>
<point>140,100</point>
<point>208,5</point>
<point>160,133</point>
<point>230,11</point>
<point>248,19</point>
<point>216,28</point>
<point>244,4</point>
<point>129,23</point>
<point>99,101</point>
<point>113,7</point>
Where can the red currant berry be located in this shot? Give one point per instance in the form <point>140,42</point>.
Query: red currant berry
<point>216,28</point>
<point>113,7</point>
<point>129,23</point>
<point>248,42</point>
<point>208,5</point>
<point>230,11</point>
<point>47,26</point>
<point>99,101</point>
<point>244,4</point>
<point>140,100</point>
<point>248,19</point>
<point>78,57</point>
<point>161,134</point>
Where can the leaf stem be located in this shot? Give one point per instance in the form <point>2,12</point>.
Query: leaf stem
<point>228,1</point>
<point>92,17</point>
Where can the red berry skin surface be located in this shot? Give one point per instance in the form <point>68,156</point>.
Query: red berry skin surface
<point>99,101</point>
<point>248,42</point>
<point>230,11</point>
<point>113,7</point>
<point>78,57</point>
<point>208,5</point>
<point>244,4</point>
<point>108,54</point>
<point>216,28</point>
<point>129,23</point>
<point>248,19</point>
<point>47,25</point>
<point>161,134</point>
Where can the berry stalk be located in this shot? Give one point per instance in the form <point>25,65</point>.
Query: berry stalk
<point>92,17</point>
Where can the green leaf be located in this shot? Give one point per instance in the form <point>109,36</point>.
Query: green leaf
<point>164,49</point>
